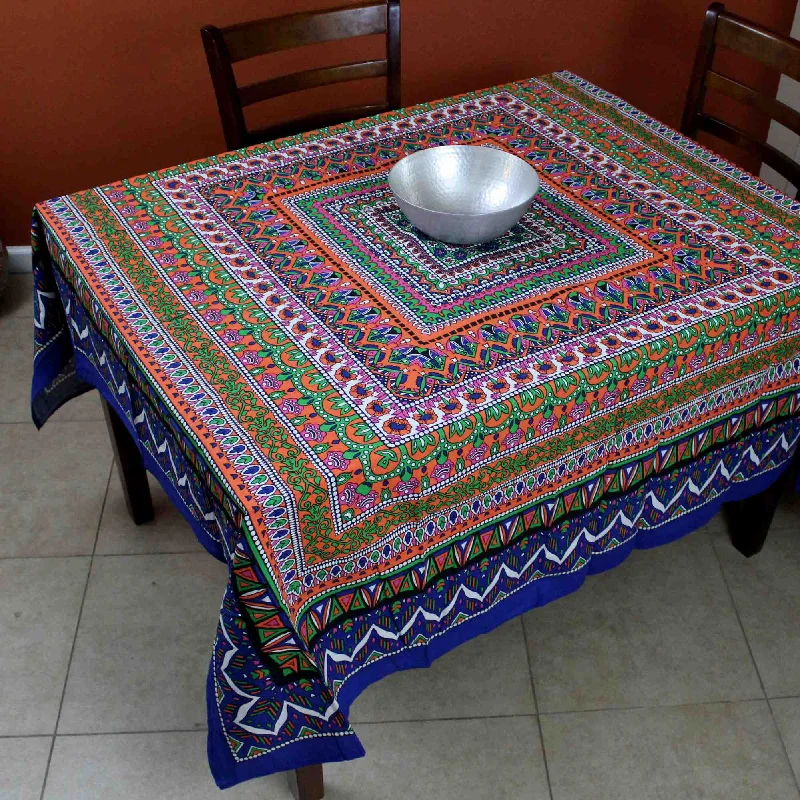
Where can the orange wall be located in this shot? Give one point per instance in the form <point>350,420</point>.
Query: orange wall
<point>95,90</point>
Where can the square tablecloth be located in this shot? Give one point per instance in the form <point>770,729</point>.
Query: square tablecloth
<point>397,444</point>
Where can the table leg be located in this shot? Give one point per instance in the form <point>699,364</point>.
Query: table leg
<point>131,470</point>
<point>306,783</point>
<point>749,520</point>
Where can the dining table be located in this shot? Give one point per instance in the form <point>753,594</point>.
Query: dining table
<point>397,444</point>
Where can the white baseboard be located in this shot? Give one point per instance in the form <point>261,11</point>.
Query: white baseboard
<point>19,259</point>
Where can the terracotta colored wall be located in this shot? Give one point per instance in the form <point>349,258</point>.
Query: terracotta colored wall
<point>95,90</point>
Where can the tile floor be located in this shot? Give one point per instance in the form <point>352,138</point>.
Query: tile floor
<point>675,676</point>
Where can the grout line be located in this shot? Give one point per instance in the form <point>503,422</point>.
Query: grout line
<point>75,635</point>
<point>37,558</point>
<point>51,423</point>
<point>204,729</point>
<point>783,745</point>
<point>710,539</point>
<point>755,664</point>
<point>110,555</point>
<point>536,706</point>
<point>154,553</point>
<point>359,723</point>
<point>652,708</point>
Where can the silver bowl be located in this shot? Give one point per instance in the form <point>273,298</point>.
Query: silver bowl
<point>463,194</point>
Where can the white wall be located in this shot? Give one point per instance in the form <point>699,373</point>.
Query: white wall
<point>779,135</point>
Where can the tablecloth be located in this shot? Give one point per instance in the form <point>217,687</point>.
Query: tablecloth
<point>397,444</point>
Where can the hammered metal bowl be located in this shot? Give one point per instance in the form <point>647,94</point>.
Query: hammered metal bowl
<point>463,194</point>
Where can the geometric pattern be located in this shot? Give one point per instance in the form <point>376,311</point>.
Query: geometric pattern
<point>555,242</point>
<point>396,444</point>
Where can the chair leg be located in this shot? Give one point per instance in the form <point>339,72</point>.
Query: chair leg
<point>749,520</point>
<point>131,470</point>
<point>306,783</point>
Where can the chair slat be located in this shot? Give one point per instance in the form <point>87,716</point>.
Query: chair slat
<point>309,79</point>
<point>766,152</point>
<point>760,44</point>
<point>269,35</point>
<point>314,121</point>
<point>771,107</point>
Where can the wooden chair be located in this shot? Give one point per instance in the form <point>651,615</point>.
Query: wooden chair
<point>748,520</point>
<point>226,46</point>
<point>723,29</point>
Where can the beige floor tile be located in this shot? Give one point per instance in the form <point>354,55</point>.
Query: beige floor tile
<point>161,766</point>
<point>469,759</point>
<point>17,301</point>
<point>723,751</point>
<point>52,485</point>
<point>659,629</point>
<point>144,643</point>
<point>169,532</point>
<point>766,591</point>
<point>40,599</point>
<point>787,714</point>
<point>484,677</point>
<point>16,367</point>
<point>23,763</point>
<point>16,364</point>
<point>85,407</point>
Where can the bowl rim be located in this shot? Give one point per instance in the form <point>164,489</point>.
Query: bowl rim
<point>484,214</point>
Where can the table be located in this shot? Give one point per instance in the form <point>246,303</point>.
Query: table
<point>396,444</point>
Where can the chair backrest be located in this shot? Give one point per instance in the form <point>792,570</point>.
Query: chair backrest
<point>226,46</point>
<point>723,29</point>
